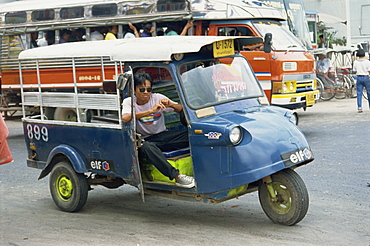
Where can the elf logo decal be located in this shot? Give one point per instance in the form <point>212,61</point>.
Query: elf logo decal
<point>97,164</point>
<point>213,135</point>
<point>296,156</point>
<point>300,156</point>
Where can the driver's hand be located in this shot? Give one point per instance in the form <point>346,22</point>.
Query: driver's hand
<point>158,106</point>
<point>165,102</point>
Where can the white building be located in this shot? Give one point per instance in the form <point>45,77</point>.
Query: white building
<point>350,18</point>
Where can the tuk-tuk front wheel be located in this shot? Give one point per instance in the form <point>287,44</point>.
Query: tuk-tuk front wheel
<point>285,199</point>
<point>68,189</point>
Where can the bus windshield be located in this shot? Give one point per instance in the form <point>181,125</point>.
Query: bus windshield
<point>214,81</point>
<point>282,38</point>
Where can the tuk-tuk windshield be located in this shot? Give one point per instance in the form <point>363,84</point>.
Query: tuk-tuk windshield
<point>214,81</point>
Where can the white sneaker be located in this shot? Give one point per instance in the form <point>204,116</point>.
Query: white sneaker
<point>185,181</point>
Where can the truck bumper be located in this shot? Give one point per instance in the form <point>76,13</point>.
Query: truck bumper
<point>295,100</point>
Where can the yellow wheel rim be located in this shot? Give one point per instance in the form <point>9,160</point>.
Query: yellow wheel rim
<point>64,187</point>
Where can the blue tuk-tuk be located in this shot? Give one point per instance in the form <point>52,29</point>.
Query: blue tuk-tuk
<point>238,143</point>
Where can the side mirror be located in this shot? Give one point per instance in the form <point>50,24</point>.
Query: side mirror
<point>267,43</point>
<point>123,79</point>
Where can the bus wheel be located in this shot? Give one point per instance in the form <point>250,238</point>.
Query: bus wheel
<point>65,114</point>
<point>68,188</point>
<point>290,202</point>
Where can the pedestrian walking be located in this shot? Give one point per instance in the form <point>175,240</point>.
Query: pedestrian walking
<point>362,68</point>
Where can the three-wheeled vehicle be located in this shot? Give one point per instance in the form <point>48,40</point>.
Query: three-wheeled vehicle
<point>237,144</point>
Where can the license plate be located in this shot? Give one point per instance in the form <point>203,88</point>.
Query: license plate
<point>223,48</point>
<point>310,99</point>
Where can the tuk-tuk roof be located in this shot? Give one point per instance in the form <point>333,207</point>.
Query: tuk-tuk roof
<point>133,49</point>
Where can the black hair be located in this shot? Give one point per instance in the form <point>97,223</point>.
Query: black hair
<point>126,29</point>
<point>140,78</point>
<point>65,32</point>
<point>360,53</point>
<point>147,28</point>
<point>171,27</point>
<point>50,37</point>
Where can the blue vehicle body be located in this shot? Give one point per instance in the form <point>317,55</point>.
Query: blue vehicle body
<point>269,138</point>
<point>236,144</point>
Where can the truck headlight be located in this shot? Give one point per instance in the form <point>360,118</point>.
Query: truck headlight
<point>285,88</point>
<point>235,135</point>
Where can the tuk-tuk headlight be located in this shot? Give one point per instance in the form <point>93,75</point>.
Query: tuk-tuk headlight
<point>235,135</point>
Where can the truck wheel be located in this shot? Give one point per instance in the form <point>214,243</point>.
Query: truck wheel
<point>295,118</point>
<point>291,203</point>
<point>68,188</point>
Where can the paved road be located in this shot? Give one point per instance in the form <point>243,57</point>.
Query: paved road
<point>339,212</point>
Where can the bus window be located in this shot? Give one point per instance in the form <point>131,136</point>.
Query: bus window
<point>15,46</point>
<point>42,15</point>
<point>77,35</point>
<point>70,13</point>
<point>137,9</point>
<point>104,10</point>
<point>172,5</point>
<point>14,18</point>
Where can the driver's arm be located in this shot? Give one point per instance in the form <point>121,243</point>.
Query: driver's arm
<point>126,117</point>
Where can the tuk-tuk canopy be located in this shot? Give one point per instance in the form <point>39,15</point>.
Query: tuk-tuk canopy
<point>135,49</point>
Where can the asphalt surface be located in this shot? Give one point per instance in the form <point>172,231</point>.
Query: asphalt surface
<point>339,212</point>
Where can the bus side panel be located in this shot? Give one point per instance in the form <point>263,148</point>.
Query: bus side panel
<point>58,79</point>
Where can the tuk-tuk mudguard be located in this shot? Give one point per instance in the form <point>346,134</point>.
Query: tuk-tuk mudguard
<point>72,154</point>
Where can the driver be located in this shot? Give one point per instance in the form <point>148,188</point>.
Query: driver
<point>149,108</point>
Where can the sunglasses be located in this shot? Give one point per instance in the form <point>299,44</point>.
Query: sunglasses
<point>148,89</point>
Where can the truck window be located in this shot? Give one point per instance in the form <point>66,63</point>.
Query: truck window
<point>234,31</point>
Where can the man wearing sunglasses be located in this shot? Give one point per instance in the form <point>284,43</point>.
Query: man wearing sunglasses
<point>149,108</point>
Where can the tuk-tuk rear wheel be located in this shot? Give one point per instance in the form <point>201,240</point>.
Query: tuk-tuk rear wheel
<point>291,201</point>
<point>68,189</point>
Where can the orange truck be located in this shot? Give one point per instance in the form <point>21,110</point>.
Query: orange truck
<point>286,72</point>
<point>283,66</point>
